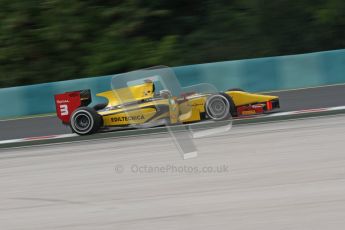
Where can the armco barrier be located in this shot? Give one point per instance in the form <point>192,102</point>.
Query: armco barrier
<point>273,73</point>
<point>262,74</point>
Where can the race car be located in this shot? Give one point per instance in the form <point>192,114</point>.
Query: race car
<point>140,104</point>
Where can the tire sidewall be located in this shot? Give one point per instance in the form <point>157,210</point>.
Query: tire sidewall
<point>233,110</point>
<point>227,107</point>
<point>91,118</point>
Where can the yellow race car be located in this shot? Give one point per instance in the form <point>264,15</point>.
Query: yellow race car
<point>140,105</point>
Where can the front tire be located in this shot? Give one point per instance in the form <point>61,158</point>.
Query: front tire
<point>233,110</point>
<point>217,107</point>
<point>85,121</point>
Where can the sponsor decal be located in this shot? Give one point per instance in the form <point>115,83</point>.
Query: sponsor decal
<point>129,118</point>
<point>62,101</point>
<point>198,104</point>
<point>248,112</point>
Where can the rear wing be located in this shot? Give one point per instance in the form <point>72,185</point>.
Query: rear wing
<point>67,103</point>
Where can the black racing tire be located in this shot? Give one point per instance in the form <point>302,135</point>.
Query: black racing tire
<point>85,121</point>
<point>218,107</point>
<point>236,89</point>
<point>233,110</point>
<point>100,106</point>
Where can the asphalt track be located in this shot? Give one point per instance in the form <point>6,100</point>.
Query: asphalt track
<point>311,98</point>
<point>280,175</point>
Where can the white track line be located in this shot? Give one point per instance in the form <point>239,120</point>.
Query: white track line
<point>50,137</point>
<point>304,88</point>
<point>27,139</point>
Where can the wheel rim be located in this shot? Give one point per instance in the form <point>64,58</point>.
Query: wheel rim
<point>217,107</point>
<point>82,122</point>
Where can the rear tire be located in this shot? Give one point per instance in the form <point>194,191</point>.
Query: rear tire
<point>85,121</point>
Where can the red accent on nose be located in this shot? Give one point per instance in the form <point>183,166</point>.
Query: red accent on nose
<point>269,105</point>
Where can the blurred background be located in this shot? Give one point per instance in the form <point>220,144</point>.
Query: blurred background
<point>51,40</point>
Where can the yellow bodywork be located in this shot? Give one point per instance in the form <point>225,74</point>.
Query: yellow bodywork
<point>149,108</point>
<point>191,109</point>
<point>195,104</point>
<point>135,114</point>
<point>244,98</point>
<point>132,93</point>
